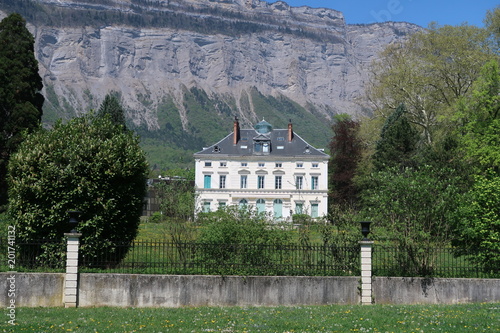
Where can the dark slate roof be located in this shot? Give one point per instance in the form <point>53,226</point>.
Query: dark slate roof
<point>277,137</point>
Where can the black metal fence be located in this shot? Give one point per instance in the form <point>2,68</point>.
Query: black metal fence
<point>160,257</point>
<point>426,262</point>
<point>34,256</point>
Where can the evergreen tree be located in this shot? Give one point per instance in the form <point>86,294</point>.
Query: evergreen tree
<point>345,149</point>
<point>111,106</point>
<point>398,142</point>
<point>20,85</point>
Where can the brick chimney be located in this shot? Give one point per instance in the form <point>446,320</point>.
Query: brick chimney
<point>236,131</point>
<point>290,131</point>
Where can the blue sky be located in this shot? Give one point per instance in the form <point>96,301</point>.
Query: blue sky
<point>421,12</point>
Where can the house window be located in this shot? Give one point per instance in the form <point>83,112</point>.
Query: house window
<point>299,182</point>
<point>223,164</point>
<point>222,181</point>
<point>243,181</point>
<point>244,164</point>
<point>278,208</point>
<point>206,207</point>
<point>314,182</point>
<point>314,210</point>
<point>261,206</point>
<point>222,204</point>
<point>208,164</point>
<point>279,165</point>
<point>265,147</point>
<point>243,203</point>
<point>261,165</point>
<point>260,181</point>
<point>277,182</point>
<point>315,165</point>
<point>208,181</point>
<point>300,165</point>
<point>298,208</point>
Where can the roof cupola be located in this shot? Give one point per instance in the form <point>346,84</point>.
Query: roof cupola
<point>263,127</point>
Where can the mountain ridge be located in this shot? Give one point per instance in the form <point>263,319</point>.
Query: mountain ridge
<point>210,61</point>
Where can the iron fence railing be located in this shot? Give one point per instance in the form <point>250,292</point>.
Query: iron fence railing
<point>157,257</point>
<point>36,255</point>
<point>426,262</point>
<point>161,257</point>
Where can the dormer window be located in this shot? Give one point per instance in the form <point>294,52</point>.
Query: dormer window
<point>263,147</point>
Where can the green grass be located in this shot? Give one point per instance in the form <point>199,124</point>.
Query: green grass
<point>333,318</point>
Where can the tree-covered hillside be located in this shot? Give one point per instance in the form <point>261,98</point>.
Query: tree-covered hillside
<point>210,119</point>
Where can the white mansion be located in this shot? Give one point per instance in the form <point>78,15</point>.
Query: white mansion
<point>274,170</point>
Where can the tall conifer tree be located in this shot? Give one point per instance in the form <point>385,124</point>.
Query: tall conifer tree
<point>398,141</point>
<point>111,106</point>
<point>20,85</point>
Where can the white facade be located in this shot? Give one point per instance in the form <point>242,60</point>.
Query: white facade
<point>232,173</point>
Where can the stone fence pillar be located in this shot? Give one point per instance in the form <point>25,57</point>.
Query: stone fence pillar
<point>71,280</point>
<point>366,271</point>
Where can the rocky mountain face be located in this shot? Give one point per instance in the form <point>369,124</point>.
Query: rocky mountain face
<point>189,66</point>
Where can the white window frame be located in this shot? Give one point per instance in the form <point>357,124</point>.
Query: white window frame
<point>299,182</point>
<point>314,182</point>
<point>243,181</point>
<point>278,182</point>
<point>222,181</point>
<point>261,181</point>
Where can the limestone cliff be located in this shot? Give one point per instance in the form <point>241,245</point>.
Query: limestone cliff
<point>231,50</point>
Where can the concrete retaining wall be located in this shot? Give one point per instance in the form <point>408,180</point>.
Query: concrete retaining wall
<point>395,290</point>
<point>192,290</point>
<point>123,290</point>
<point>32,289</point>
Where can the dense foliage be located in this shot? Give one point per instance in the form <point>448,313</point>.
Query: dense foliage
<point>88,164</point>
<point>478,220</point>
<point>226,228</point>
<point>414,208</point>
<point>20,84</point>
<point>431,168</point>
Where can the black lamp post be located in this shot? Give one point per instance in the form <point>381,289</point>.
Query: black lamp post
<point>365,229</point>
<point>74,216</point>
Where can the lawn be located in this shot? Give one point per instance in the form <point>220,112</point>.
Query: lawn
<point>333,318</point>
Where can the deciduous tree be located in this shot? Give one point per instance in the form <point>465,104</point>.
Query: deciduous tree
<point>428,73</point>
<point>88,164</point>
<point>413,209</point>
<point>478,220</point>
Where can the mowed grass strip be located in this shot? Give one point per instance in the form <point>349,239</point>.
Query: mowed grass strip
<point>483,317</point>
